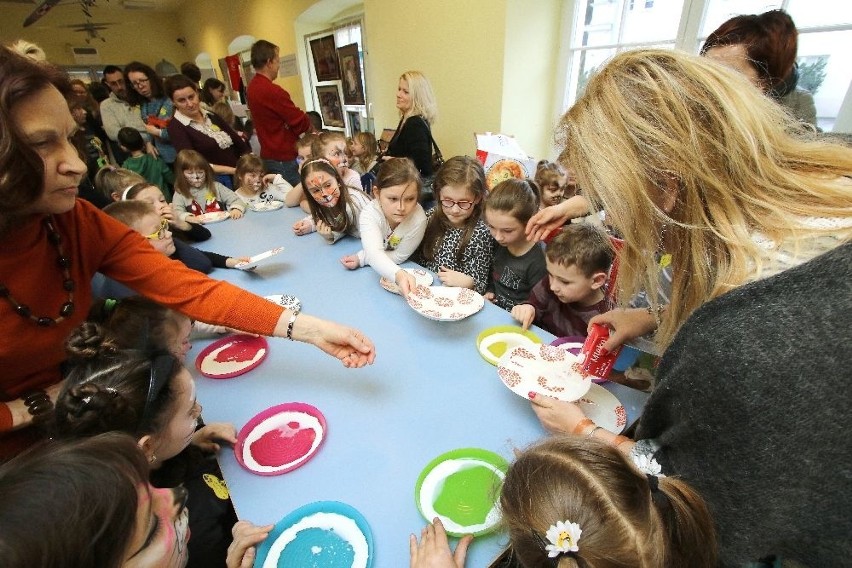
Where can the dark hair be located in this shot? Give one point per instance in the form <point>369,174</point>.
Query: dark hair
<point>770,41</point>
<point>624,521</point>
<point>262,51</point>
<point>582,245</point>
<point>110,69</point>
<point>191,70</point>
<point>209,85</point>
<point>336,217</point>
<point>176,83</point>
<point>459,171</point>
<point>71,504</point>
<point>107,386</point>
<point>517,197</point>
<point>398,171</point>
<point>131,139</point>
<point>316,119</point>
<point>21,168</point>
<point>100,92</point>
<point>156,83</point>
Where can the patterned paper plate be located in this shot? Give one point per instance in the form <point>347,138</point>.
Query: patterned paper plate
<point>288,301</point>
<point>604,409</point>
<point>214,217</point>
<point>547,370</point>
<point>266,206</point>
<point>445,303</point>
<point>232,356</point>
<point>326,534</point>
<point>421,277</point>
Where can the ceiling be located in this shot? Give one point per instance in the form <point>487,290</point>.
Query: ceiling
<point>154,5</point>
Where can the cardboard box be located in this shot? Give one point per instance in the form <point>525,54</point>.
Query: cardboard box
<point>503,158</point>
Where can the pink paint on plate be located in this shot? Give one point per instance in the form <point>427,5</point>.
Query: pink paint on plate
<point>232,356</point>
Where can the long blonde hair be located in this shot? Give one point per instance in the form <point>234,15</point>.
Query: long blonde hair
<point>422,96</point>
<point>687,156</point>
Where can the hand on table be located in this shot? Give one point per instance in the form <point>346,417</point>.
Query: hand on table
<point>624,325</point>
<point>455,278</point>
<point>524,314</point>
<point>433,550</point>
<point>405,282</point>
<point>235,214</point>
<point>556,416</point>
<point>241,551</point>
<point>347,344</point>
<point>350,261</point>
<point>324,230</point>
<point>302,227</point>
<point>231,262</point>
<point>207,438</point>
<point>489,296</point>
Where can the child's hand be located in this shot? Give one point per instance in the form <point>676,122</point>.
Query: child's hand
<point>433,550</point>
<point>193,219</point>
<point>350,261</point>
<point>524,314</point>
<point>206,438</point>
<point>241,551</point>
<point>267,179</point>
<point>455,278</point>
<point>324,230</point>
<point>235,213</point>
<point>302,227</point>
<point>405,282</point>
<point>232,262</point>
<point>489,296</point>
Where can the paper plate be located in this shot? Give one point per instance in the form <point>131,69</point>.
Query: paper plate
<point>258,258</point>
<point>214,217</point>
<point>232,356</point>
<point>325,534</point>
<point>288,301</point>
<point>547,370</point>
<point>494,342</point>
<point>263,206</point>
<point>462,487</point>
<point>574,345</point>
<point>445,303</point>
<point>604,409</point>
<point>421,277</point>
<point>280,439</point>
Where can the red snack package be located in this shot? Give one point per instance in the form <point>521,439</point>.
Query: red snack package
<point>597,363</point>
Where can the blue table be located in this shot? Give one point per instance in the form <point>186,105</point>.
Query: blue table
<point>428,392</point>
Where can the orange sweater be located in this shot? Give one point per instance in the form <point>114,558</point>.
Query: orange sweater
<point>30,355</point>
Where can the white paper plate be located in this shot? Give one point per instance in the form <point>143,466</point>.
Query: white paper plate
<point>604,409</point>
<point>263,206</point>
<point>421,277</point>
<point>258,258</point>
<point>214,217</point>
<point>496,341</point>
<point>445,303</point>
<point>288,301</point>
<point>547,370</point>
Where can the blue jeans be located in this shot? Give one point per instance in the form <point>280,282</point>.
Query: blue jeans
<point>288,170</point>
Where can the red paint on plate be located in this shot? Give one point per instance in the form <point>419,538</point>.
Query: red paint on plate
<point>242,349</point>
<point>282,446</point>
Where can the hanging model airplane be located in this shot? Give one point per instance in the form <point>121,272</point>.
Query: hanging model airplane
<point>47,5</point>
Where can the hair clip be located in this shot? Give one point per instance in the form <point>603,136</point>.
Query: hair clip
<point>563,537</point>
<point>323,160</point>
<point>647,465</point>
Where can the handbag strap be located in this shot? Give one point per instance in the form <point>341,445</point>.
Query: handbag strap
<point>434,144</point>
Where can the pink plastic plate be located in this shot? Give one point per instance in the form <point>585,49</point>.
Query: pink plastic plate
<point>281,438</point>
<point>232,356</point>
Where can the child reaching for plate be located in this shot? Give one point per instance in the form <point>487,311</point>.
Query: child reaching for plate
<point>575,502</point>
<point>197,192</point>
<point>574,290</point>
<point>457,244</point>
<point>518,261</point>
<point>335,208</point>
<point>181,229</point>
<point>250,188</point>
<point>392,225</point>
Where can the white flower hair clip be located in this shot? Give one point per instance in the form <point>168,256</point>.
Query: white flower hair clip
<point>647,465</point>
<point>563,537</point>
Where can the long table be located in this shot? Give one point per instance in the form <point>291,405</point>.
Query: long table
<point>428,392</point>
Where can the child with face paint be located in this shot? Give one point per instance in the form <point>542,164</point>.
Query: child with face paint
<point>392,225</point>
<point>335,208</point>
<point>332,147</point>
<point>249,175</point>
<point>197,191</point>
<point>119,383</point>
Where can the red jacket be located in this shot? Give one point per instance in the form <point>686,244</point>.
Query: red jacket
<point>277,121</point>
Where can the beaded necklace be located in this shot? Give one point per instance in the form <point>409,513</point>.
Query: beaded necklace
<point>67,284</point>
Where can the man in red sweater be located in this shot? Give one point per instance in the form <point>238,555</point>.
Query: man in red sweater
<point>277,120</point>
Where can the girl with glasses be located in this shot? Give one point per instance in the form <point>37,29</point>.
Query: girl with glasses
<point>457,244</point>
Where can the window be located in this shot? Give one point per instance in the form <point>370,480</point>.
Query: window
<point>600,28</point>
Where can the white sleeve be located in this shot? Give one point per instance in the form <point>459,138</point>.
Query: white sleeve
<point>410,233</point>
<point>373,230</point>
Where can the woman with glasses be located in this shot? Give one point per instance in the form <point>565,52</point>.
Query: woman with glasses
<point>51,244</point>
<point>156,109</point>
<point>457,244</point>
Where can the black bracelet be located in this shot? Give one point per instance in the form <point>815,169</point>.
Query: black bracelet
<point>38,404</point>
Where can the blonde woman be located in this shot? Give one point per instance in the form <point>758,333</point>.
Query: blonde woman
<point>689,158</point>
<point>418,111</point>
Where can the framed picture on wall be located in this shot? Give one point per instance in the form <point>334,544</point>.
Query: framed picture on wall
<point>354,118</point>
<point>331,108</point>
<point>350,71</point>
<point>325,58</point>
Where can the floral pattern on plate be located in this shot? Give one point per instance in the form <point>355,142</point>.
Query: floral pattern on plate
<point>421,277</point>
<point>544,369</point>
<point>604,409</point>
<point>445,303</point>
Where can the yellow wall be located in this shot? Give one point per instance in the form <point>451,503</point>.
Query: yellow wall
<point>137,35</point>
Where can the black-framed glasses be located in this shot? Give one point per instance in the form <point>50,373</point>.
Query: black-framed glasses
<point>464,205</point>
<point>140,82</point>
<point>162,368</point>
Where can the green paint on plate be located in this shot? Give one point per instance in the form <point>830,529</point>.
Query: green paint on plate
<point>467,496</point>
